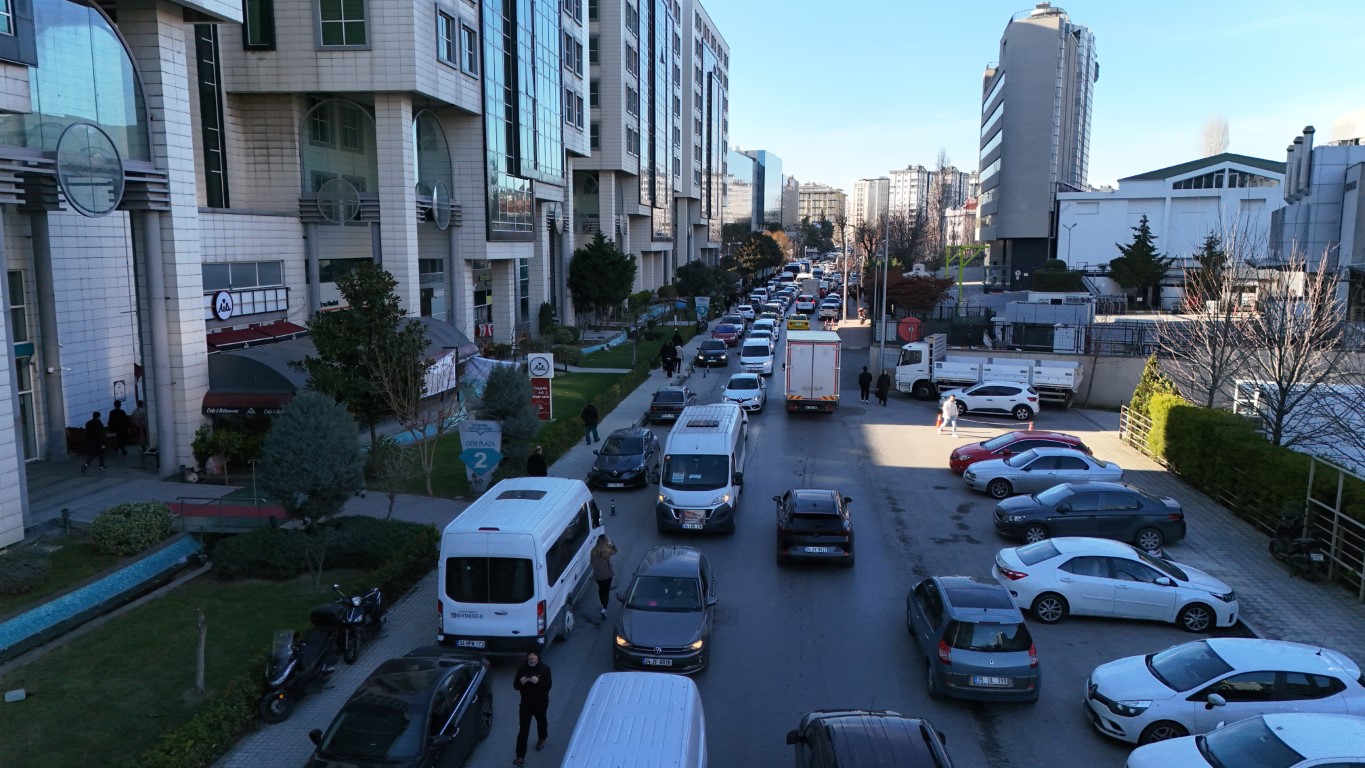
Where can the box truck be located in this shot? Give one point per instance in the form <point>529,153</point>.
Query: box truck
<point>812,371</point>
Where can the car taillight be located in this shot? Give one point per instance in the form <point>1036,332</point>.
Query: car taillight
<point>1176,516</point>
<point>1012,575</point>
<point>1033,399</point>
<point>440,612</point>
<point>1032,656</point>
<point>540,618</point>
<point>945,654</point>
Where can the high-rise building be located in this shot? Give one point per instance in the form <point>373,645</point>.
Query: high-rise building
<point>1035,137</point>
<point>791,194</point>
<point>767,187</point>
<point>703,127</point>
<point>914,189</point>
<point>741,189</point>
<point>820,202</point>
<point>871,200</point>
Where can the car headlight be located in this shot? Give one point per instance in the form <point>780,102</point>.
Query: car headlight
<point>1227,598</point>
<point>968,475</point>
<point>621,642</point>
<point>1014,518</point>
<point>664,499</point>
<point>724,498</point>
<point>697,645</point>
<point>1129,708</point>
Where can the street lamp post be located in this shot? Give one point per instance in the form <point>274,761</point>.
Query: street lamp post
<point>1069,227</point>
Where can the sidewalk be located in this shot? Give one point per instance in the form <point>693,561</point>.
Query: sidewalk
<point>1274,605</point>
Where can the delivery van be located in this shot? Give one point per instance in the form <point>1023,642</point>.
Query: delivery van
<point>513,564</point>
<point>703,469</point>
<point>639,719</point>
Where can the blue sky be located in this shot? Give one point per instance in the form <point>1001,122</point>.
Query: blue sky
<point>854,88</point>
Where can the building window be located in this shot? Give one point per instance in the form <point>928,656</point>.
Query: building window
<point>592,49</point>
<point>592,93</point>
<point>632,61</point>
<point>592,10</point>
<point>632,19</point>
<point>342,23</point>
<point>594,136</point>
<point>574,8</point>
<point>573,108</point>
<point>18,313</point>
<point>990,170</point>
<point>320,127</point>
<point>212,141</point>
<point>572,54</point>
<point>352,132</point>
<point>469,50</point>
<point>632,141</point>
<point>579,110</point>
<point>632,102</point>
<point>445,39</point>
<point>524,286</point>
<point>258,20</point>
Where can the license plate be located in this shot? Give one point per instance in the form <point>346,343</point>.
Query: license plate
<point>980,680</point>
<point>1317,557</point>
<point>616,485</point>
<point>817,550</point>
<point>692,526</point>
<point>470,643</point>
<point>657,662</point>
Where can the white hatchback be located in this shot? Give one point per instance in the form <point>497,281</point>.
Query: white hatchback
<point>1100,577</point>
<point>1288,740</point>
<point>748,390</point>
<point>756,356</point>
<point>1191,688</point>
<point>746,311</point>
<point>805,303</point>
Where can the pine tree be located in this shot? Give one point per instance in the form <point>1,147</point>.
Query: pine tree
<point>1206,282</point>
<point>311,461</point>
<point>600,275</point>
<point>1140,267</point>
<point>1152,382</point>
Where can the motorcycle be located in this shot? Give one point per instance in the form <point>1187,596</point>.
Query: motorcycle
<point>702,326</point>
<point>298,663</point>
<point>359,615</point>
<point>1304,554</point>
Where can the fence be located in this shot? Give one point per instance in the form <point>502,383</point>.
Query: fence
<point>1342,536</point>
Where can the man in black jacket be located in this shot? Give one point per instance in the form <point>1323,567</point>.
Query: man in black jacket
<point>533,680</point>
<point>864,384</point>
<point>94,441</point>
<point>535,463</point>
<point>590,417</point>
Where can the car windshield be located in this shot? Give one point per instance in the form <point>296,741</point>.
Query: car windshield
<point>727,329</point>
<point>1032,554</point>
<point>1165,566</point>
<point>988,637</point>
<point>374,727</point>
<point>1246,744</point>
<point>1054,495</point>
<point>754,350</point>
<point>696,472</point>
<point>664,593</point>
<point>713,346</point>
<point>1021,459</point>
<point>742,383</point>
<point>1186,667</point>
<point>668,396</point>
<point>623,446</point>
<point>999,442</point>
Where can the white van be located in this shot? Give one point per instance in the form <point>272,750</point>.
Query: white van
<point>513,564</point>
<point>703,469</point>
<point>640,719</point>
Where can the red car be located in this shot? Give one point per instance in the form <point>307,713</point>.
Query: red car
<point>727,333</point>
<point>1009,444</point>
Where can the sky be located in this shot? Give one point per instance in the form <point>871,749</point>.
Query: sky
<point>852,89</point>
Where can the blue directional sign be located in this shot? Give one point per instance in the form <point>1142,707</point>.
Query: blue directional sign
<point>481,460</point>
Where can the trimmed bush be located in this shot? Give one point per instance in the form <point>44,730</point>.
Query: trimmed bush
<point>1057,281</point>
<point>563,335</point>
<point>1159,408</point>
<point>270,553</point>
<point>23,569</point>
<point>213,731</point>
<point>567,354</point>
<point>363,543</point>
<point>126,529</point>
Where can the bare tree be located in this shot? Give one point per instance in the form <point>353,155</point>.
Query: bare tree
<point>1215,136</point>
<point>868,235</point>
<point>422,398</point>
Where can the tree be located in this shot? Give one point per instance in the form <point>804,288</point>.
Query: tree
<point>1140,267</point>
<point>917,293</point>
<point>1206,349</point>
<point>818,234</point>
<point>868,235</point>
<point>758,252</point>
<point>600,275</point>
<point>420,394</point>
<point>388,466</point>
<point>1205,282</point>
<point>1151,382</point>
<point>507,398</point>
<point>733,233</point>
<point>311,461</point>
<point>373,319</point>
<point>907,240</point>
<point>698,279</point>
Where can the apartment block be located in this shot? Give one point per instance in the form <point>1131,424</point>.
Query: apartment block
<point>871,200</point>
<point>705,129</point>
<point>819,202</point>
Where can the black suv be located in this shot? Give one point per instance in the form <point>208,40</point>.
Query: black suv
<point>814,525</point>
<point>668,402</point>
<point>854,737</point>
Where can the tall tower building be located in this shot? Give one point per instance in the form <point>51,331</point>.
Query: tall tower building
<point>704,127</point>
<point>870,200</point>
<point>1035,137</point>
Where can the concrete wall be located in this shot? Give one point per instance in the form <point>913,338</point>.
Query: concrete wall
<point>1107,382</point>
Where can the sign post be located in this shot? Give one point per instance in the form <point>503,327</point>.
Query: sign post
<point>703,307</point>
<point>541,366</point>
<point>481,450</point>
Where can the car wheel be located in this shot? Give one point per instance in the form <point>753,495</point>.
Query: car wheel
<point>923,391</point>
<point>935,687</point>
<point>1022,413</point>
<point>277,707</point>
<point>1050,608</point>
<point>567,628</point>
<point>999,488</point>
<point>1149,540</point>
<point>1035,533</point>
<point>485,725</point>
<point>1162,730</point>
<point>1195,617</point>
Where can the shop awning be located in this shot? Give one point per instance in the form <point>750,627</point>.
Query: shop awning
<point>235,338</point>
<point>257,380</point>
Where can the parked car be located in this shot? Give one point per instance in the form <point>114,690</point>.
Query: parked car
<point>749,390</point>
<point>756,356</point>
<point>853,738</point>
<point>1099,577</point>
<point>713,352</point>
<point>628,456</point>
<point>814,525</point>
<point>1010,443</point>
<point>412,711</point>
<point>1192,687</point>
<point>728,333</point>
<point>973,639</point>
<point>666,624</point>
<point>668,402</point>
<point>1005,398</point>
<point>1285,740</point>
<point>1037,470</point>
<point>746,311</point>
<point>1105,510</point>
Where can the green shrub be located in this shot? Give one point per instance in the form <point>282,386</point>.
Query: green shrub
<point>1149,383</point>
<point>669,291</point>
<point>1057,281</point>
<point>269,553</point>
<point>568,354</point>
<point>212,731</point>
<point>563,335</point>
<point>126,529</point>
<point>354,541</point>
<point>23,569</point>
<point>1159,408</point>
<point>546,319</point>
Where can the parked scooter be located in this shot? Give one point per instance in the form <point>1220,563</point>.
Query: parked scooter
<point>298,663</point>
<point>702,326</point>
<point>360,615</point>
<point>1304,554</point>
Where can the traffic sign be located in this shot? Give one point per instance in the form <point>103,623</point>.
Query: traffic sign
<point>481,460</point>
<point>541,365</point>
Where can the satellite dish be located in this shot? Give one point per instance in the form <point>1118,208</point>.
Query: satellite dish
<point>440,204</point>
<point>338,201</point>
<point>89,170</point>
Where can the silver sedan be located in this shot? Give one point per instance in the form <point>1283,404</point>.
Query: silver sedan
<point>1038,470</point>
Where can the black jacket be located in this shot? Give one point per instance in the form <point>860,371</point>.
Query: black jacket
<point>533,694</point>
<point>589,415</point>
<point>865,379</point>
<point>883,384</point>
<point>94,434</point>
<point>118,421</point>
<point>535,465</point>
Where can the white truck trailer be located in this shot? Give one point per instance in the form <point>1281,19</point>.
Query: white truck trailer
<point>812,371</point>
<point>925,367</point>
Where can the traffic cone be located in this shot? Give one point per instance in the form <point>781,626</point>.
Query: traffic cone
<point>1030,425</point>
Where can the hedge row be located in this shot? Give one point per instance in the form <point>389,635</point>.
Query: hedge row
<point>23,569</point>
<point>127,529</point>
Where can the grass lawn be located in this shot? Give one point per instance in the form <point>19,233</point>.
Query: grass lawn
<point>75,561</point>
<point>620,355</point>
<point>107,696</point>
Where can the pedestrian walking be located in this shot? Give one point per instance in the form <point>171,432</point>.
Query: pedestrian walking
<point>883,386</point>
<point>677,339</point>
<point>589,416</point>
<point>139,422</point>
<point>601,569</point>
<point>948,415</point>
<point>94,442</point>
<point>118,424</point>
<point>533,679</point>
<point>535,463</point>
<point>865,385</point>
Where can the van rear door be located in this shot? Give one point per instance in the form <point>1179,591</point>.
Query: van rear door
<point>491,586</point>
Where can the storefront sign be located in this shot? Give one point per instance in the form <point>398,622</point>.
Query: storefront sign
<point>222,305</point>
<point>541,398</point>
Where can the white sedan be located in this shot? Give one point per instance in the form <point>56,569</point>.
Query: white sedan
<point>1037,470</point>
<point>1100,577</point>
<point>749,390</point>
<point>1191,688</point>
<point>1289,740</point>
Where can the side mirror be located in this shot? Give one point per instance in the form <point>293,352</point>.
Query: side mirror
<point>1215,700</point>
<point>441,741</point>
<point>1063,508</point>
<point>315,736</point>
<point>620,598</point>
<point>594,452</point>
<point>712,600</point>
<point>794,738</point>
<point>847,500</point>
<point>777,499</point>
<point>1163,581</point>
<point>1006,452</point>
<point>739,478</point>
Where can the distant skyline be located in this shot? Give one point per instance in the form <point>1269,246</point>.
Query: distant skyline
<point>853,90</point>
